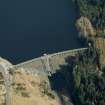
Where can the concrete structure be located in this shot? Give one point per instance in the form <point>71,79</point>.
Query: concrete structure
<point>48,63</point>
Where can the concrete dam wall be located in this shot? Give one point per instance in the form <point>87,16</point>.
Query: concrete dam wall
<point>48,63</point>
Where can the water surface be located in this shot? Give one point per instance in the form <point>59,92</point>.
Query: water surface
<point>29,28</point>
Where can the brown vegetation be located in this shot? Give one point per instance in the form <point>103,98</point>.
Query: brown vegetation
<point>85,27</point>
<point>31,90</point>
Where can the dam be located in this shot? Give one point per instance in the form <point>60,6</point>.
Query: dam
<point>48,63</point>
<point>43,66</point>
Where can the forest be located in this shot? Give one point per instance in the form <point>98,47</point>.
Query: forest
<point>94,10</point>
<point>88,79</point>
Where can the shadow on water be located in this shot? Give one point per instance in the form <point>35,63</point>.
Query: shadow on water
<point>61,82</point>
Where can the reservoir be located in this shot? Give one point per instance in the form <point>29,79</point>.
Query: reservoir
<point>30,28</point>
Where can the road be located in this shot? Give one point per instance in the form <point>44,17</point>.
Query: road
<point>7,84</point>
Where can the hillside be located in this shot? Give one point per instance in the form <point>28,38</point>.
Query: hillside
<point>31,90</point>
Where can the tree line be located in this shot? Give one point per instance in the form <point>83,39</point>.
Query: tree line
<point>94,10</point>
<point>88,79</point>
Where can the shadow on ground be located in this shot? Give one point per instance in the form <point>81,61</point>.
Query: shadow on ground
<point>61,82</point>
